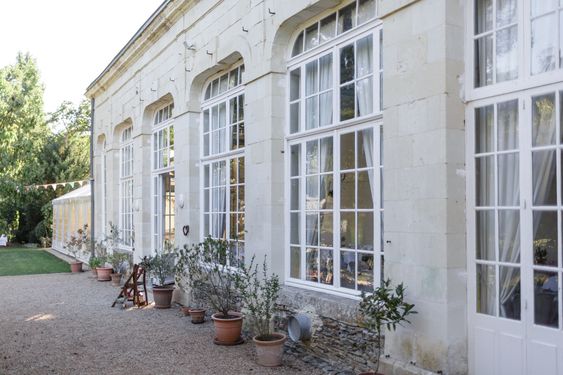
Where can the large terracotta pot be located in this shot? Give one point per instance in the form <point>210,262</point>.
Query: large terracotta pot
<point>76,267</point>
<point>104,273</point>
<point>94,272</point>
<point>116,279</point>
<point>198,316</point>
<point>162,296</point>
<point>227,330</point>
<point>269,353</point>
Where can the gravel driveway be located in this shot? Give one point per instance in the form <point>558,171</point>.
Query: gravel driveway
<point>63,324</point>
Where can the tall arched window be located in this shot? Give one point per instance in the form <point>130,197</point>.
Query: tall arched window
<point>334,163</point>
<point>126,187</point>
<point>223,161</point>
<point>164,191</point>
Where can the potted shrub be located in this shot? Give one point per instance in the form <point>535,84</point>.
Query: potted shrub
<point>119,262</point>
<point>259,294</point>
<point>386,307</point>
<point>210,277</point>
<point>94,263</point>
<point>75,246</point>
<point>160,266</point>
<point>110,245</point>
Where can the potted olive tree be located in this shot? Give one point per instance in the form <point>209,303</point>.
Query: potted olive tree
<point>119,262</point>
<point>75,246</point>
<point>210,276</point>
<point>385,307</point>
<point>109,245</point>
<point>259,294</point>
<point>160,267</point>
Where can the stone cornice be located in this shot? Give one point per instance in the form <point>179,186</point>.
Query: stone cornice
<point>157,25</point>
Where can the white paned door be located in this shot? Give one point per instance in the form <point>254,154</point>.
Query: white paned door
<point>515,229</point>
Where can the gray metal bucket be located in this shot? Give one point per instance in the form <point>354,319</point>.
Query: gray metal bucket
<point>299,327</point>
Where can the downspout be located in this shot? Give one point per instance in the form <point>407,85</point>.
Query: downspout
<point>92,203</point>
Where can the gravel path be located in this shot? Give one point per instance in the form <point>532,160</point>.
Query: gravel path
<point>63,324</point>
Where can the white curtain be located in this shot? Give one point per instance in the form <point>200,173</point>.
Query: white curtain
<point>364,67</point>
<point>311,87</point>
<point>325,99</point>
<point>219,200</point>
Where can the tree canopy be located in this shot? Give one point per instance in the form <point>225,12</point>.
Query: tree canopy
<point>36,148</point>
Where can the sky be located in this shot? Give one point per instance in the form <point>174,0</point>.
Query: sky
<point>72,40</point>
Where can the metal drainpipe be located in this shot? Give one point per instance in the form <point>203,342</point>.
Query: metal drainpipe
<point>92,204</point>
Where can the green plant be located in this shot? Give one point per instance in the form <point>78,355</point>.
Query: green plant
<point>205,267</point>
<point>161,264</point>
<point>94,262</point>
<point>119,262</point>
<point>77,242</point>
<point>259,294</point>
<point>386,307</point>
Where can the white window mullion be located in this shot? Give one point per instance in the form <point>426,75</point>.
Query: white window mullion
<point>336,208</point>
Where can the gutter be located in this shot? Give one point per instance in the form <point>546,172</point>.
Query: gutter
<point>131,41</point>
<point>92,203</point>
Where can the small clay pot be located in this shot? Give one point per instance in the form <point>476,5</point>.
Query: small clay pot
<point>104,273</point>
<point>185,310</point>
<point>228,329</point>
<point>76,267</point>
<point>198,316</point>
<point>269,353</point>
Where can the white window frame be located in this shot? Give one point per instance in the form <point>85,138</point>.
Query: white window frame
<point>374,121</point>
<point>525,79</point>
<point>158,172</point>
<point>126,165</point>
<point>227,155</point>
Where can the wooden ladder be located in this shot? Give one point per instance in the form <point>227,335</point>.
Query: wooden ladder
<point>131,289</point>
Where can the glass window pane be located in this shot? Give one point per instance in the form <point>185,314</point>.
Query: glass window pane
<point>312,190</point>
<point>348,269</point>
<point>347,64</point>
<point>546,305</point>
<point>347,18</point>
<point>365,231</point>
<point>544,178</point>
<point>241,108</point>
<point>365,272</point>
<point>347,154</point>
<point>326,267</point>
<point>312,162</point>
<point>233,109</point>
<point>545,238</point>
<point>485,235</point>
<point>295,228</point>
<point>326,239</point>
<point>312,113</point>
<point>508,180</point>
<point>233,78</point>
<point>326,154</point>
<point>325,108</point>
<point>223,83</point>
<point>327,192</point>
<point>295,160</point>
<point>506,12</point>
<point>484,61</point>
<point>312,37</point>
<point>364,63</point>
<point>365,148</point>
<point>366,189</point>
<point>294,194</point>
<point>241,170</point>
<point>347,230</point>
<point>325,64</point>
<point>509,236</point>
<point>483,16</point>
<point>507,123</point>
<point>328,28</point>
<point>365,96</point>
<point>485,182</point>
<point>507,54</point>
<point>312,77</point>
<point>295,269</point>
<point>312,270</point>
<point>542,6</point>
<point>366,11</point>
<point>486,289</point>
<point>295,84</point>
<point>347,190</point>
<point>295,117</point>
<point>544,44</point>
<point>347,110</point>
<point>298,46</point>
<point>543,120</point>
<point>484,129</point>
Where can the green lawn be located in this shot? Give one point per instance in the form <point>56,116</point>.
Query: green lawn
<point>18,261</point>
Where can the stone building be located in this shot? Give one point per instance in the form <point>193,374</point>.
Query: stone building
<point>350,140</point>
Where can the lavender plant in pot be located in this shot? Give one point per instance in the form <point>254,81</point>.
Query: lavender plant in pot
<point>160,267</point>
<point>213,278</point>
<point>384,308</point>
<point>259,294</point>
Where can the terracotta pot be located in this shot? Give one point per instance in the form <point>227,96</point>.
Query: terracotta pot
<point>94,272</point>
<point>104,273</point>
<point>227,330</point>
<point>185,310</point>
<point>269,353</point>
<point>76,267</point>
<point>198,316</point>
<point>162,296</point>
<point>116,279</point>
